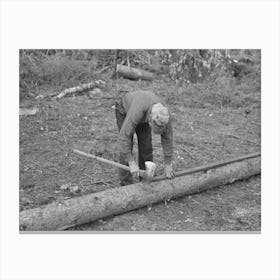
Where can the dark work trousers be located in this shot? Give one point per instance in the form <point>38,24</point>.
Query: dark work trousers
<point>145,149</point>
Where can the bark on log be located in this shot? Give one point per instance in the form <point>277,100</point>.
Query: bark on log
<point>133,73</point>
<point>89,208</point>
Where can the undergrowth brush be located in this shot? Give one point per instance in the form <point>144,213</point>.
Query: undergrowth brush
<point>225,91</point>
<point>57,70</point>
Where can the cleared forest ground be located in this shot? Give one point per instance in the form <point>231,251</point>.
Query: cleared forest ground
<point>204,132</point>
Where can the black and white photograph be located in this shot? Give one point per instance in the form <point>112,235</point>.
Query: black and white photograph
<point>137,140</point>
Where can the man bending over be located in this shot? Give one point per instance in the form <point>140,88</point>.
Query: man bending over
<point>142,112</point>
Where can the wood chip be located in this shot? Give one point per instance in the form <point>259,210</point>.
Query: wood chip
<point>28,112</point>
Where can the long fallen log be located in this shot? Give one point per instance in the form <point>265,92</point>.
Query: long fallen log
<point>89,208</point>
<point>79,89</point>
<point>133,73</point>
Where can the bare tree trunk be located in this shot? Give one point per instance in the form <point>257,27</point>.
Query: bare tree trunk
<point>89,208</point>
<point>114,76</point>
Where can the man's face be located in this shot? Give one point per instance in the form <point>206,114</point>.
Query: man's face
<point>156,129</point>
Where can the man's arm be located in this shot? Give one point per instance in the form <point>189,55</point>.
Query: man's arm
<point>132,119</point>
<point>125,139</point>
<point>167,143</point>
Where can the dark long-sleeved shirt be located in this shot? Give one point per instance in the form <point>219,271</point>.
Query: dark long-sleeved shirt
<point>137,106</point>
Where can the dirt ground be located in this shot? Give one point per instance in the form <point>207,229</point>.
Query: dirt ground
<point>203,133</point>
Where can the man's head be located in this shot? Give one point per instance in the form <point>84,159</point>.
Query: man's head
<point>159,118</point>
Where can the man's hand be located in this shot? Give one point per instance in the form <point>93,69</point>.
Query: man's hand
<point>168,171</point>
<point>134,169</point>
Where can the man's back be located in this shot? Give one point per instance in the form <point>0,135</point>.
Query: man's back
<point>139,101</point>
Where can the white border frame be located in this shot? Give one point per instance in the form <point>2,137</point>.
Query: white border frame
<point>153,24</point>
